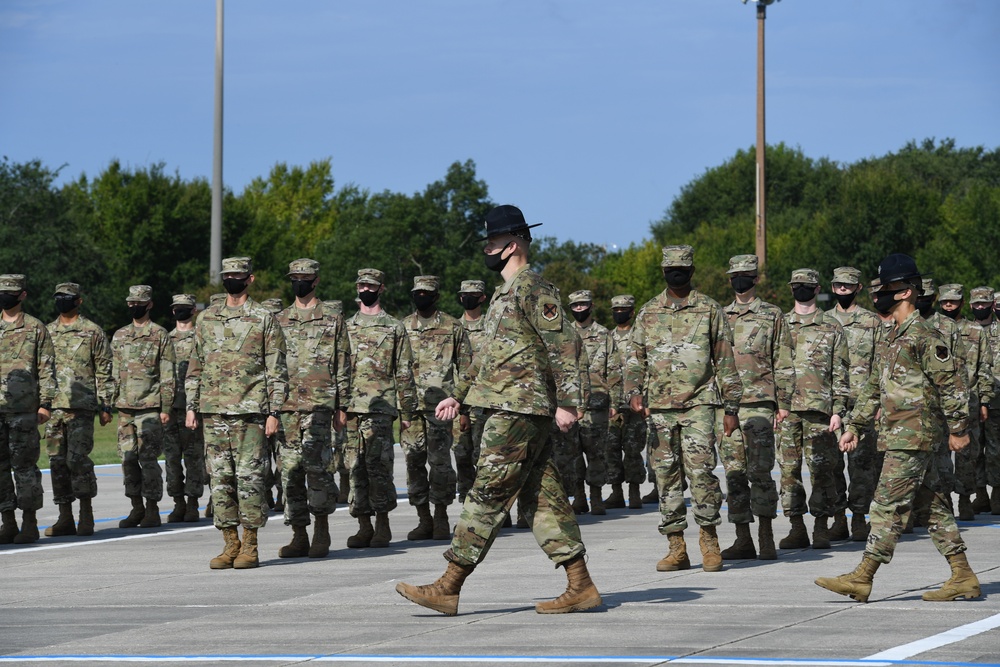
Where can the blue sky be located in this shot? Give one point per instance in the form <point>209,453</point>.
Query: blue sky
<point>590,116</point>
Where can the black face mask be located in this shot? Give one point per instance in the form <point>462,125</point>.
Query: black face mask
<point>926,306</point>
<point>885,301</point>
<point>580,315</point>
<point>804,293</point>
<point>622,317</point>
<point>65,304</point>
<point>368,298</point>
<point>982,313</point>
<point>951,314</point>
<point>741,284</point>
<point>234,285</point>
<point>8,300</point>
<point>302,288</point>
<point>424,302</point>
<point>845,300</point>
<point>677,277</point>
<point>496,262</point>
<point>181,314</point>
<point>469,301</point>
<point>136,312</point>
<point>996,311</point>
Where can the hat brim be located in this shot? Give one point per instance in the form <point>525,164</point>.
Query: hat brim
<point>513,232</point>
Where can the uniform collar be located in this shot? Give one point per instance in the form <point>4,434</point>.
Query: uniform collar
<point>752,307</point>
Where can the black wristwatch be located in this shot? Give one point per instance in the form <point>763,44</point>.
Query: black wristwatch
<point>732,413</point>
<point>275,414</point>
<point>46,406</point>
<point>106,408</point>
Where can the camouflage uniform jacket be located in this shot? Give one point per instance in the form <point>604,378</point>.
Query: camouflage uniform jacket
<point>861,327</point>
<point>604,370</point>
<point>917,384</point>
<point>681,355</point>
<point>621,339</point>
<point>382,370</point>
<point>143,367</point>
<point>83,365</point>
<point>441,350</point>
<point>238,364</point>
<point>530,360</point>
<point>763,351</point>
<point>476,331</point>
<point>183,348</point>
<point>822,363</point>
<point>974,350</point>
<point>993,336</point>
<point>27,365</point>
<point>319,359</point>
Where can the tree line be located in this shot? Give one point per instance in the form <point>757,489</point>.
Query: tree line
<point>933,200</point>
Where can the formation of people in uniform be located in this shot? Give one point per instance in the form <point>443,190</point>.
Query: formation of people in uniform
<point>889,411</point>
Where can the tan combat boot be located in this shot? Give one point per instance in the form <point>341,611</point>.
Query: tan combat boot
<point>320,547</point>
<point>857,584</point>
<point>743,546</point>
<point>981,505</point>
<point>298,547</point>
<point>229,553</point>
<point>962,584</point>
<point>581,593</point>
<point>135,516</point>
<point>425,524</point>
<point>677,557</point>
<point>442,595</point>
<point>615,501</point>
<point>247,558</point>
<point>580,500</point>
<point>8,529</point>
<point>965,512</point>
<point>798,537</point>
<point>151,518</point>
<point>363,538</point>
<point>191,510</point>
<point>442,529</point>
<point>29,528</point>
<point>85,526</point>
<point>821,534</point>
<point>180,509</point>
<point>596,502</point>
<point>634,497</point>
<point>765,536</point>
<point>382,536</point>
<point>64,525</point>
<point>838,530</point>
<point>859,528</point>
<point>711,557</point>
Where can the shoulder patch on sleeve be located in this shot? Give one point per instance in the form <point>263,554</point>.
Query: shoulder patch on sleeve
<point>942,353</point>
<point>549,313</point>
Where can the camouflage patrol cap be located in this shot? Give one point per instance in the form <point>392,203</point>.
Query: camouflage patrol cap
<point>139,294</point>
<point>273,305</point>
<point>951,292</point>
<point>581,296</point>
<point>623,301</point>
<point>927,287</point>
<point>996,296</point>
<point>677,255</point>
<point>370,277</point>
<point>72,289</point>
<point>237,265</point>
<point>309,267</point>
<point>743,264</point>
<point>425,284</point>
<point>335,305</point>
<point>184,300</point>
<point>12,282</point>
<point>804,277</point>
<point>218,297</point>
<point>847,275</point>
<point>472,287</point>
<point>981,295</point>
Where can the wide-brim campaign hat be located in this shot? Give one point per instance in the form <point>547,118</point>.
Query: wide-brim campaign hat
<point>506,219</point>
<point>898,267</point>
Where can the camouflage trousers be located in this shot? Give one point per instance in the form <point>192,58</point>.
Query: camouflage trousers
<point>580,453</point>
<point>183,457</point>
<point>20,446</point>
<point>807,435</point>
<point>140,441</point>
<point>516,463</point>
<point>237,453</point>
<point>856,494</point>
<point>369,459</point>
<point>988,470</point>
<point>337,464</point>
<point>684,444</point>
<point>272,470</point>
<point>427,444</point>
<point>748,458</point>
<point>626,448</point>
<point>307,476</point>
<point>466,449</point>
<point>966,458</point>
<point>913,478</point>
<point>69,440</point>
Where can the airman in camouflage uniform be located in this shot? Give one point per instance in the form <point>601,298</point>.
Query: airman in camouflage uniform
<point>861,328</point>
<point>27,389</point>
<point>680,369</point>
<point>981,300</point>
<point>318,394</point>
<point>524,374</point>
<point>440,350</point>
<point>382,389</point>
<point>974,351</point>
<point>471,295</point>
<point>337,465</point>
<point>822,388</point>
<point>763,352</point>
<point>183,449</point>
<point>237,381</point>
<point>83,367</point>
<point>272,473</point>
<point>588,437</point>
<point>626,430</point>
<point>919,378</point>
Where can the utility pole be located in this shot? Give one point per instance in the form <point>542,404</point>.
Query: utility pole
<point>215,252</point>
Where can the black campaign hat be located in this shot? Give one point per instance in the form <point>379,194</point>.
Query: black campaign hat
<point>897,267</point>
<point>507,219</point>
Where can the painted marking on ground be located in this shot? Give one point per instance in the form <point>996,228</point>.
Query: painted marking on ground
<point>926,644</point>
<point>88,543</point>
